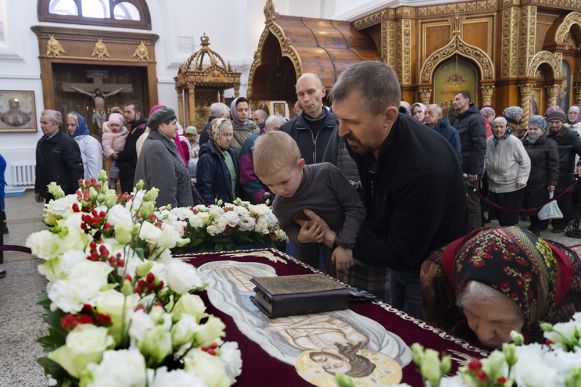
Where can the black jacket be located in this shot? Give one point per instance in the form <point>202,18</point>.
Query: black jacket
<point>58,159</point>
<point>544,157</point>
<point>569,145</point>
<point>415,200</point>
<point>338,155</point>
<point>472,131</point>
<point>213,178</point>
<point>312,146</point>
<point>207,131</point>
<point>127,158</point>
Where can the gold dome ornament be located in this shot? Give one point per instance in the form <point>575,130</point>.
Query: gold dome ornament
<point>141,52</point>
<point>100,50</point>
<point>54,47</point>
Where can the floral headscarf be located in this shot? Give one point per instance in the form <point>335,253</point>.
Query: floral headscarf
<point>514,261</point>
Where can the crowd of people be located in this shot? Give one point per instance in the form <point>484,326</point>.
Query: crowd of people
<point>386,196</point>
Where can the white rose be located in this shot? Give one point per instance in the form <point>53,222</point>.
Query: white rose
<point>85,344</point>
<point>62,207</point>
<point>85,280</point>
<point>231,218</point>
<point>209,368</point>
<point>189,305</point>
<point>183,331</point>
<point>531,369</point>
<point>159,270</point>
<point>156,344</point>
<point>141,322</point>
<point>183,277</point>
<point>170,237</point>
<point>118,368</point>
<point>44,244</point>
<point>135,204</point>
<point>176,378</point>
<point>232,359</point>
<point>210,332</point>
<point>149,232</point>
<point>119,215</point>
<point>247,223</point>
<point>60,267</point>
<point>111,302</point>
<point>563,331</point>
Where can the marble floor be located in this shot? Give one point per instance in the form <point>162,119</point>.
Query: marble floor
<point>20,317</point>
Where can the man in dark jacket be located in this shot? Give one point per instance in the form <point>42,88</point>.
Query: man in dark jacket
<point>412,180</point>
<point>569,145</point>
<point>314,126</point>
<point>435,120</point>
<point>472,131</point>
<point>58,158</point>
<point>127,158</point>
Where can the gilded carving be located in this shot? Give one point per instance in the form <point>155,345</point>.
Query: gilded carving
<point>406,51</point>
<point>527,37</point>
<point>486,90</point>
<point>141,52</point>
<point>458,46</point>
<point>100,50</point>
<point>54,47</point>
<point>577,93</point>
<point>552,93</point>
<point>269,12</point>
<point>561,4</point>
<point>509,49</point>
<point>552,59</point>
<point>425,94</point>
<point>454,9</point>
<point>565,27</point>
<point>525,99</point>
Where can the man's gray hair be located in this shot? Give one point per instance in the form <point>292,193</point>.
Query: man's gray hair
<point>219,110</point>
<point>263,114</point>
<point>274,122</point>
<point>53,115</point>
<point>376,82</point>
<point>437,107</point>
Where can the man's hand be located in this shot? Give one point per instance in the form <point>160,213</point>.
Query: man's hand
<point>310,232</point>
<point>38,197</point>
<point>551,188</point>
<point>343,258</point>
<point>472,178</point>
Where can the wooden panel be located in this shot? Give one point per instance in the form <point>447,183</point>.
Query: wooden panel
<point>478,33</point>
<point>434,37</point>
<point>544,23</point>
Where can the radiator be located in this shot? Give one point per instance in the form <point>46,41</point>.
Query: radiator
<point>23,174</point>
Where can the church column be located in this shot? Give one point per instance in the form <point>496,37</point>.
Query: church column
<point>191,105</point>
<point>578,93</point>
<point>525,100</point>
<point>181,106</point>
<point>486,91</point>
<point>388,37</point>
<point>425,95</point>
<point>405,27</point>
<point>236,91</point>
<point>552,93</point>
<point>221,93</point>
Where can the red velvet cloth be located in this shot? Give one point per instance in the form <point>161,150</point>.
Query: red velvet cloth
<point>259,369</point>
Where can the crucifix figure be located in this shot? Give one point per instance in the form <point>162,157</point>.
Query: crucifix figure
<point>98,91</point>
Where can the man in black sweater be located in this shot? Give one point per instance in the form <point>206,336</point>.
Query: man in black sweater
<point>412,180</point>
<point>127,158</point>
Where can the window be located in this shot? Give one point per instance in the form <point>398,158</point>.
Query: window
<point>113,13</point>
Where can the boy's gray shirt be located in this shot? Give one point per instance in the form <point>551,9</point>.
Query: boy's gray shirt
<point>329,194</point>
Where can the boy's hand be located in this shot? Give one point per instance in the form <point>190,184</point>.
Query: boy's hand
<point>343,258</point>
<point>309,232</point>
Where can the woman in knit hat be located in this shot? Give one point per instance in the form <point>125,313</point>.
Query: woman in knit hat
<point>508,167</point>
<point>160,164</point>
<point>569,145</point>
<point>544,156</point>
<point>513,115</point>
<point>243,126</point>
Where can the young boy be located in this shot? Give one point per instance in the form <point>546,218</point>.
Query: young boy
<point>300,189</point>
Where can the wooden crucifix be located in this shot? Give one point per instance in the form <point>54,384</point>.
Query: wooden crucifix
<point>98,91</point>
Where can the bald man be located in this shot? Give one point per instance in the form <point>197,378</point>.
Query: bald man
<point>435,120</point>
<point>313,127</point>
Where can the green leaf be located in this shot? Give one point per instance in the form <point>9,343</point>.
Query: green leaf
<point>56,372</point>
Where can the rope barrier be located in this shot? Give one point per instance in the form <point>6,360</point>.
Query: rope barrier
<point>525,210</point>
<point>19,248</point>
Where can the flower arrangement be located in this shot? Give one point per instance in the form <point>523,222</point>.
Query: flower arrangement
<point>224,226</point>
<point>555,363</point>
<point>120,310</point>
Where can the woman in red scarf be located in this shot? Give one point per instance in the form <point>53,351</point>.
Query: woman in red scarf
<point>492,281</point>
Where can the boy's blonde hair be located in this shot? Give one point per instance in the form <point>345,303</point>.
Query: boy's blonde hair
<point>273,151</point>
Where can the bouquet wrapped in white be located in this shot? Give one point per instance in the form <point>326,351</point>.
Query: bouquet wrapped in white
<point>120,310</point>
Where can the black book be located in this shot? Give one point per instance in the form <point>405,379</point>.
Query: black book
<point>299,294</point>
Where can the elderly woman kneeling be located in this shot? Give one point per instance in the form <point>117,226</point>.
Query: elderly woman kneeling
<point>493,281</point>
<point>160,164</point>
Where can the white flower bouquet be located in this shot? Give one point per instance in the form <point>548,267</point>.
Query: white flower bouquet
<point>120,310</point>
<point>224,226</point>
<point>555,363</point>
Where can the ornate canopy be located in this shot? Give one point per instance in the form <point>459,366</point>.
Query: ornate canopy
<point>291,46</point>
<point>201,80</point>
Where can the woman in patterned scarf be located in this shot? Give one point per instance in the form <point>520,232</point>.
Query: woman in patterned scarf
<point>492,281</point>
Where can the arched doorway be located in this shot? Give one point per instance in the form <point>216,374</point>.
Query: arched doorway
<point>452,76</point>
